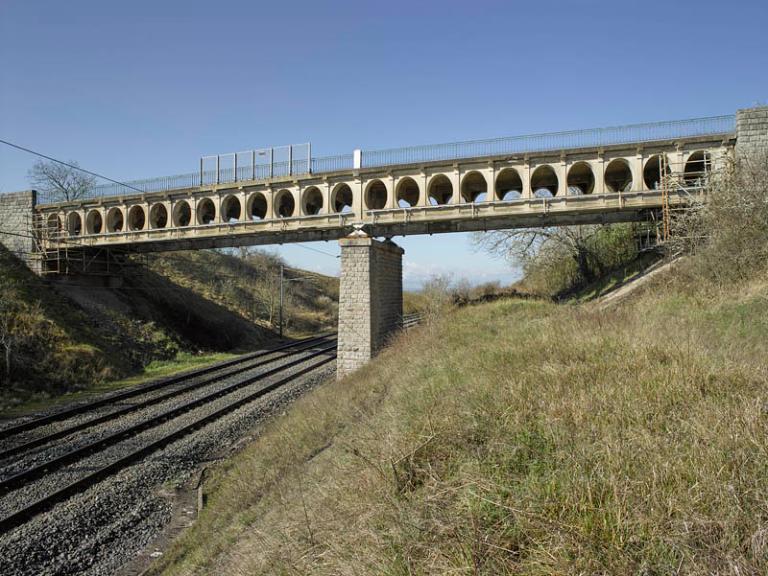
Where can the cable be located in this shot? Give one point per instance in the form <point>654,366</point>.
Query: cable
<point>12,145</point>
<point>300,245</point>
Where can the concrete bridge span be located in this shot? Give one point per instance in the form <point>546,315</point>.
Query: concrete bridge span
<point>580,185</point>
<point>584,177</point>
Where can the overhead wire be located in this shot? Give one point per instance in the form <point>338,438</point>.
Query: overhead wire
<point>68,165</point>
<point>98,175</point>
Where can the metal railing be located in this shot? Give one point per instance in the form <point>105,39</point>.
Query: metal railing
<point>591,138</point>
<point>597,137</point>
<point>332,163</point>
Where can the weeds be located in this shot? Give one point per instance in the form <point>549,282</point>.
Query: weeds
<point>514,438</point>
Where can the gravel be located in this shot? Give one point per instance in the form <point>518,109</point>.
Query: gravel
<point>273,358</point>
<point>98,531</point>
<point>58,447</point>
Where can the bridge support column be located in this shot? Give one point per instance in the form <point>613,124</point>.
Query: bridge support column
<point>370,299</point>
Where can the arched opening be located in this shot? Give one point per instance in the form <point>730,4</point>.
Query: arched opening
<point>341,198</point>
<point>440,190</point>
<point>697,167</point>
<point>473,187</point>
<point>258,206</point>
<point>509,185</point>
<point>115,221</point>
<point>544,182</point>
<point>53,225</point>
<point>94,222</point>
<point>313,201</point>
<point>407,193</point>
<point>206,211</point>
<point>136,218</point>
<point>618,176</point>
<point>653,169</point>
<point>158,216</point>
<point>376,195</point>
<point>581,180</point>
<point>231,209</point>
<point>74,224</point>
<point>284,204</point>
<point>182,214</point>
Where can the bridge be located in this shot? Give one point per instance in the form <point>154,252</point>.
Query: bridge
<point>606,175</point>
<point>587,176</point>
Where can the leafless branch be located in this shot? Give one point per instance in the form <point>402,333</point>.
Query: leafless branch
<point>60,183</point>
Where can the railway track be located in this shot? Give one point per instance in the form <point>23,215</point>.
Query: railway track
<point>198,378</point>
<point>156,385</point>
<point>195,399</point>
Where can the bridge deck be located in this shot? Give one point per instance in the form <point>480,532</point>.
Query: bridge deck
<point>613,183</point>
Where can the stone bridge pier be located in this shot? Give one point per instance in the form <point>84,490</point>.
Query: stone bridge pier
<point>370,299</point>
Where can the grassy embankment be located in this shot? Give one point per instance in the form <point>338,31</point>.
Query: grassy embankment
<point>527,437</point>
<point>249,285</point>
<point>517,437</point>
<point>72,339</point>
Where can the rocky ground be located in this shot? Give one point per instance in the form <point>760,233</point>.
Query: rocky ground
<point>121,523</point>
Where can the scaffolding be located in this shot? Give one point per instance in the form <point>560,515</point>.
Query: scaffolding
<point>666,217</point>
<point>54,255</point>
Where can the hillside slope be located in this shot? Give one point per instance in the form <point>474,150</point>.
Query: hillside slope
<point>74,333</point>
<point>517,437</point>
<point>249,284</point>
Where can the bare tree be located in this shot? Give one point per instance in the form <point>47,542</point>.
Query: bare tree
<point>59,182</point>
<point>522,245</point>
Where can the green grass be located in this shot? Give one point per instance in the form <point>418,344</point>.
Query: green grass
<point>516,437</point>
<point>162,368</point>
<point>154,370</point>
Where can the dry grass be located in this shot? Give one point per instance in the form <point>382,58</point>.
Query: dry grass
<point>516,438</point>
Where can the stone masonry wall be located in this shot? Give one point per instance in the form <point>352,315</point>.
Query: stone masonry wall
<point>752,130</point>
<point>387,275</point>
<point>370,300</point>
<point>16,212</point>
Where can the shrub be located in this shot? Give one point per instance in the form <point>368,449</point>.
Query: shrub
<point>568,258</point>
<point>728,234</point>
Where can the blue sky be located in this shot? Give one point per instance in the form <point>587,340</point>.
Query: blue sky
<point>140,89</point>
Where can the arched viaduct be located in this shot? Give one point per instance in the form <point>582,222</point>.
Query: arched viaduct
<point>596,176</point>
<point>611,183</point>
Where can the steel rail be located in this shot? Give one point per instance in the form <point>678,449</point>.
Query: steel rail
<point>12,482</point>
<point>77,410</point>
<point>149,402</point>
<point>20,516</point>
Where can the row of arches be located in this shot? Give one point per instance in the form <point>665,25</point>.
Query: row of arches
<point>508,185</point>
<point>544,182</point>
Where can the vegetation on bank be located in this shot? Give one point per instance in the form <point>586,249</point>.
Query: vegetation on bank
<point>247,281</point>
<point>516,437</point>
<point>18,405</point>
<point>526,437</point>
<point>176,311</point>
